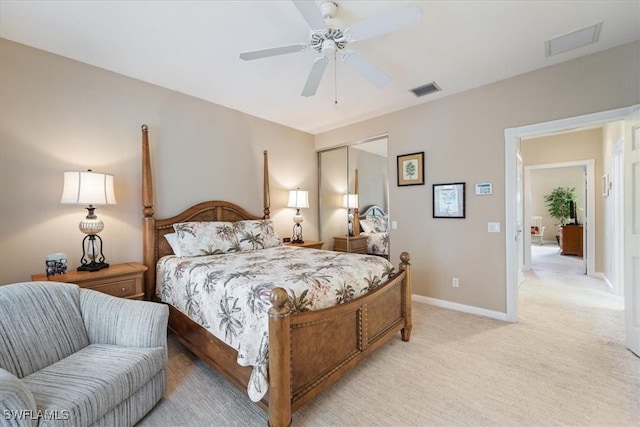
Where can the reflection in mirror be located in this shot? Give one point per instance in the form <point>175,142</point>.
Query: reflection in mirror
<point>353,181</point>
<point>368,169</point>
<point>333,181</point>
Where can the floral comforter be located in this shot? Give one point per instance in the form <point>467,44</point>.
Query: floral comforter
<point>228,294</point>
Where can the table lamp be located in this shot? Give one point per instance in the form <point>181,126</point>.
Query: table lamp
<point>298,199</point>
<point>89,188</point>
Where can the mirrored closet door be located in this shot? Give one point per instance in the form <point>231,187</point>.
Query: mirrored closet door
<point>353,197</point>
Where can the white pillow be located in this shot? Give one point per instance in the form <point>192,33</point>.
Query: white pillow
<point>172,239</point>
<point>366,226</point>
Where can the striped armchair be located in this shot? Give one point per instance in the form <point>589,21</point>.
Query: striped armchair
<point>77,357</point>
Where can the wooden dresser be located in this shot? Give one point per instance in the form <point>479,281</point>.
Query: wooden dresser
<point>354,244</point>
<point>120,280</point>
<point>571,240</point>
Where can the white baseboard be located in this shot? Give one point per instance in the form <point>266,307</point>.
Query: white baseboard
<point>606,281</point>
<point>460,307</point>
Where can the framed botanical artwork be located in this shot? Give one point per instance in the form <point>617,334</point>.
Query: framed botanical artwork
<point>411,169</point>
<point>448,200</point>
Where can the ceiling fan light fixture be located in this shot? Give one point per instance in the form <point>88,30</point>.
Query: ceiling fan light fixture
<point>573,40</point>
<point>426,89</point>
<point>328,46</point>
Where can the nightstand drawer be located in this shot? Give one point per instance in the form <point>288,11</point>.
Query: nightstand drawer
<point>123,289</point>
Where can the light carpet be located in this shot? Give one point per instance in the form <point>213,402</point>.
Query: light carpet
<point>563,363</point>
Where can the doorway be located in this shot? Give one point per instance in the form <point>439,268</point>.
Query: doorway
<point>513,137</point>
<point>588,216</point>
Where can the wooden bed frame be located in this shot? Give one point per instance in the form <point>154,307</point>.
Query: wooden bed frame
<point>307,351</point>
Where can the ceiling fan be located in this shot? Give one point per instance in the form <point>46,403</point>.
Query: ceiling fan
<point>329,41</point>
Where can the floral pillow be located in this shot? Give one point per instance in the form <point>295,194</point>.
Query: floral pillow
<point>255,234</point>
<point>379,223</point>
<point>206,238</point>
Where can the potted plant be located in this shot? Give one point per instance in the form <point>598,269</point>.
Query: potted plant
<point>558,203</point>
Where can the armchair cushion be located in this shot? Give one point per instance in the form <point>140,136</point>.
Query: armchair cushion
<point>39,327</point>
<point>123,322</point>
<point>82,385</point>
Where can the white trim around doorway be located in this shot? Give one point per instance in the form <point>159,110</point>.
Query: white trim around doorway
<point>511,137</point>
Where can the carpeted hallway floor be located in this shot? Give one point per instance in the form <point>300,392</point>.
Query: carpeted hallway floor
<point>563,363</point>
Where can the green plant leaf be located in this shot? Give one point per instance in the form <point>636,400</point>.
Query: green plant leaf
<point>558,203</point>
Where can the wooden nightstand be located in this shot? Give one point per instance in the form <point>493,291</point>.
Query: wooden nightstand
<point>353,244</point>
<point>120,280</point>
<point>313,244</point>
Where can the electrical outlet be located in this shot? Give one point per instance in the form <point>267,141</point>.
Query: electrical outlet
<point>455,282</point>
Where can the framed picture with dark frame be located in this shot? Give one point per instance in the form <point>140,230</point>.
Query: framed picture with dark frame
<point>449,200</point>
<point>411,169</point>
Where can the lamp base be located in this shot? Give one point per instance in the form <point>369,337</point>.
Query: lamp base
<point>92,256</point>
<point>297,234</point>
<point>93,266</point>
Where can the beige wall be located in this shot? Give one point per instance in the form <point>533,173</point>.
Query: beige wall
<point>57,114</point>
<point>463,140</point>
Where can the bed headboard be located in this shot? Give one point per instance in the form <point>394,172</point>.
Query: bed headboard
<point>154,245</point>
<point>215,210</point>
<point>373,210</point>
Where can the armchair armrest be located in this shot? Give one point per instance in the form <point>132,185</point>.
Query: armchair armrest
<point>17,405</point>
<point>118,321</point>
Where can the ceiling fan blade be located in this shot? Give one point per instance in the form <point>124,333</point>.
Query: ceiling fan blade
<point>313,81</point>
<point>395,20</point>
<point>264,53</point>
<point>310,12</point>
<point>367,69</point>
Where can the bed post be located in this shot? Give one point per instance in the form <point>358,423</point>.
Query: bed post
<point>148,221</point>
<point>406,295</point>
<point>266,196</point>
<point>356,213</point>
<point>279,360</point>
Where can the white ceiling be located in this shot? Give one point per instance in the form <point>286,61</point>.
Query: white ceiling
<point>193,46</point>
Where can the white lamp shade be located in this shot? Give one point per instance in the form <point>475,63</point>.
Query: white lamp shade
<point>298,199</point>
<point>350,201</point>
<point>88,188</point>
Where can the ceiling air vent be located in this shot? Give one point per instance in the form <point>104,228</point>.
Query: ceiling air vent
<point>426,89</point>
<point>573,40</point>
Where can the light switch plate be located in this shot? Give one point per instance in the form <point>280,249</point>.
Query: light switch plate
<point>493,227</point>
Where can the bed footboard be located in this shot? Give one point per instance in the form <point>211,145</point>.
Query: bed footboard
<point>310,351</point>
